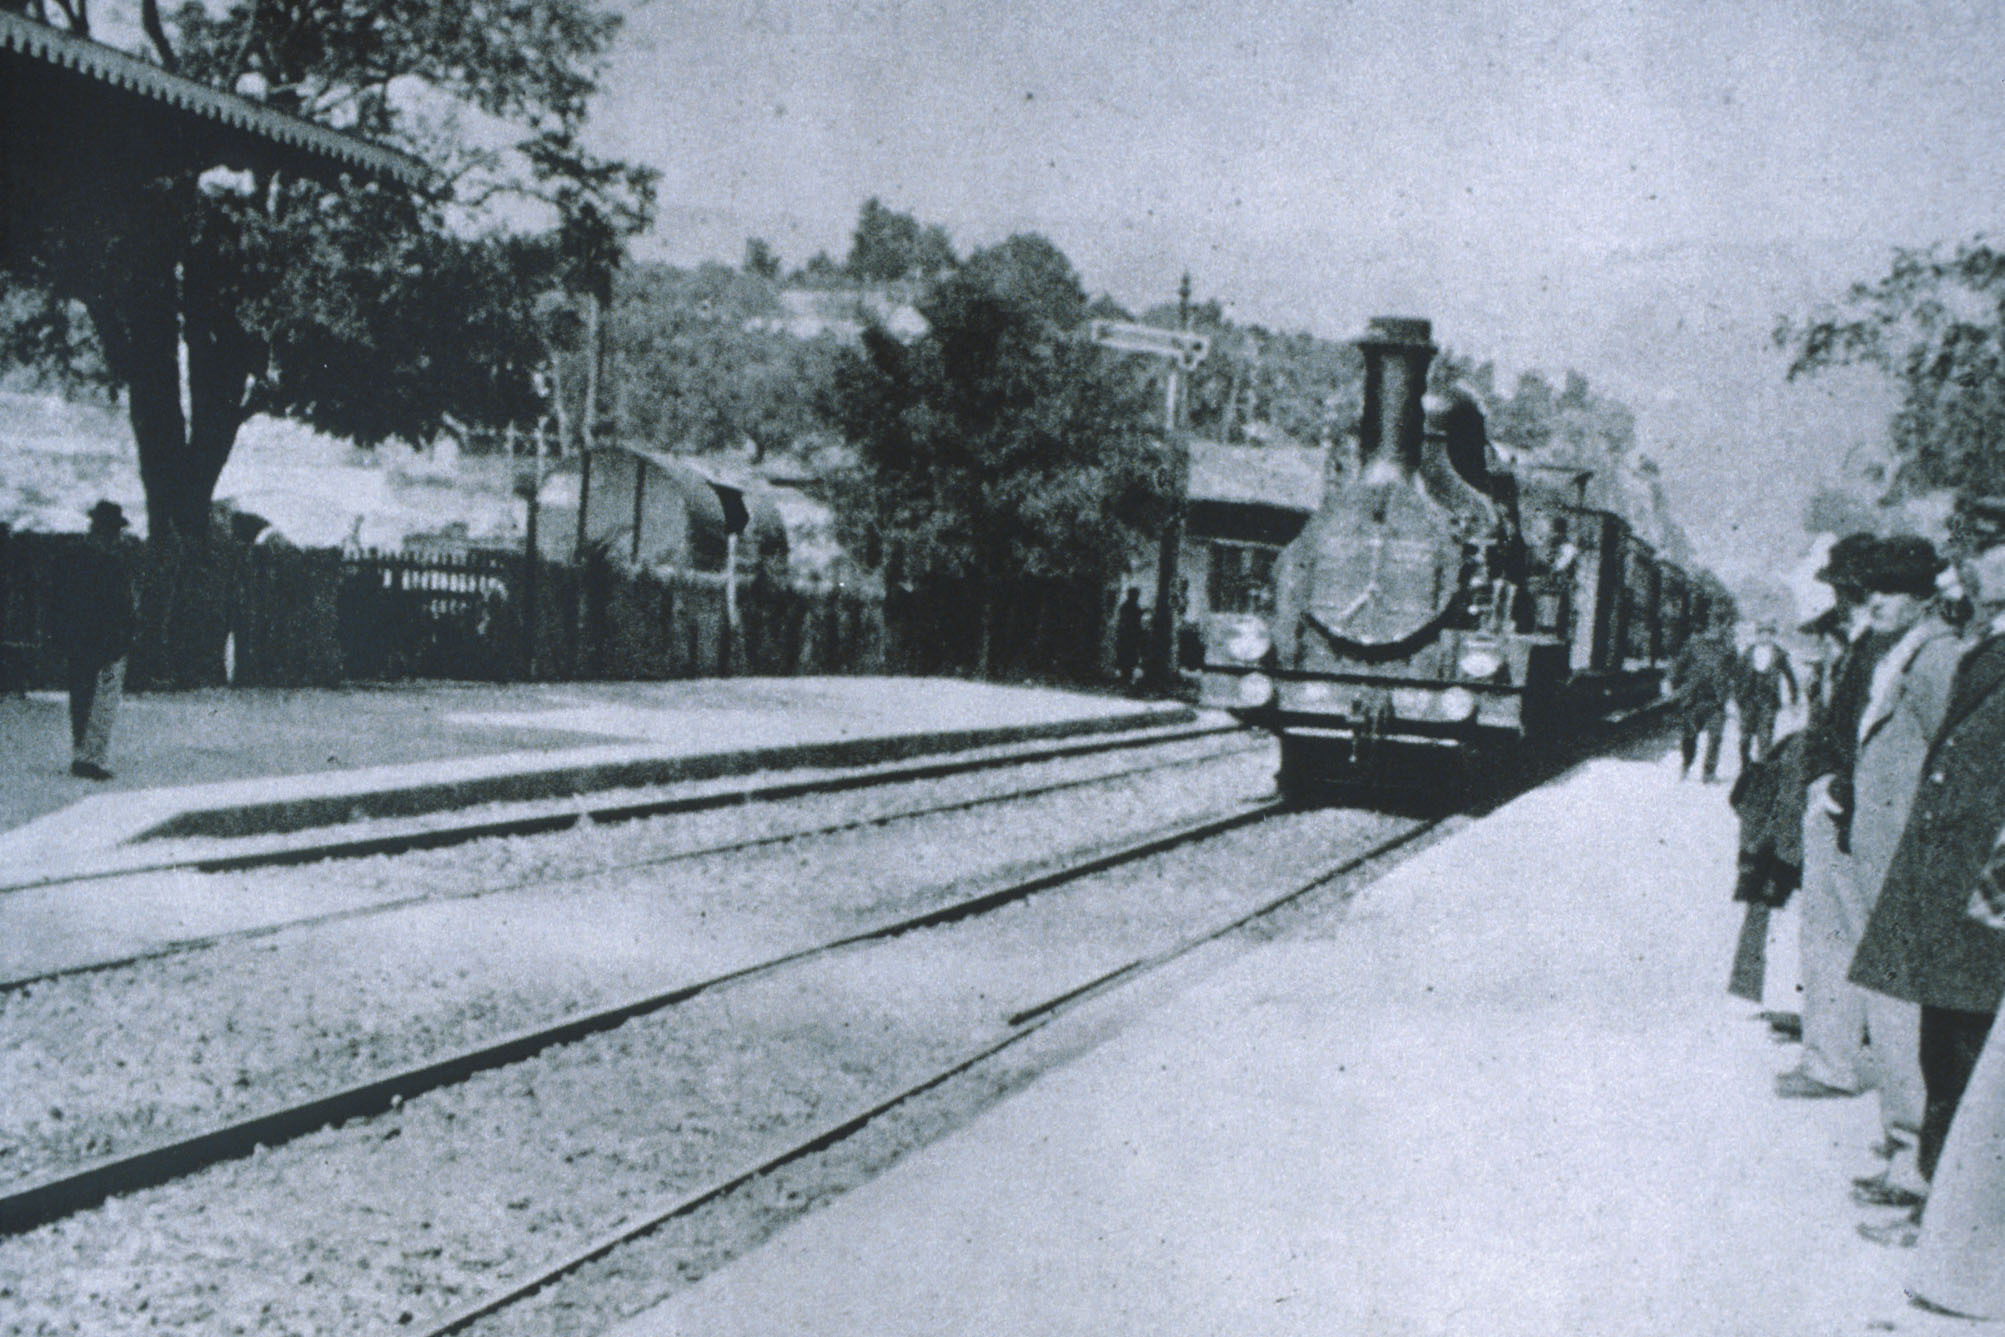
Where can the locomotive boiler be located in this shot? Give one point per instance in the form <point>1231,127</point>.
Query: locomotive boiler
<point>1439,612</point>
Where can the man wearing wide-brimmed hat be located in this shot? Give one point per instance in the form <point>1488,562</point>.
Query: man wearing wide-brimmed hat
<point>1906,696</point>
<point>100,625</point>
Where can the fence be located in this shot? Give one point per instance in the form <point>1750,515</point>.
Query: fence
<point>227,613</point>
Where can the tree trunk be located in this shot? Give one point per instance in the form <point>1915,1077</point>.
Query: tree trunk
<point>143,323</point>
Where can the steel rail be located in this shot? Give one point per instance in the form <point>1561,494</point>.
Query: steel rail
<point>1021,1026</point>
<point>60,1195</point>
<point>545,822</point>
<point>181,946</point>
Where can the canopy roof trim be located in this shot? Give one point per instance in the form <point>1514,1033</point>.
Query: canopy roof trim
<point>108,65</point>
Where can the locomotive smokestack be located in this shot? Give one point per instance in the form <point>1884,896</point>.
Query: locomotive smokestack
<point>1396,352</point>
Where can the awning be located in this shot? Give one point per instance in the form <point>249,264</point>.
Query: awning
<point>69,101</point>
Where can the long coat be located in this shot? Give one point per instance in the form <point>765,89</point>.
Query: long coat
<point>1918,944</point>
<point>96,612</point>
<point>1893,743</point>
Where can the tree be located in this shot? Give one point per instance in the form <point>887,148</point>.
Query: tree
<point>1934,324</point>
<point>761,261</point>
<point>888,246</point>
<point>1000,447</point>
<point>704,363</point>
<point>346,308</point>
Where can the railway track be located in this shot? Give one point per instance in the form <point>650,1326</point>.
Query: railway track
<point>1020,1026</point>
<point>926,771</point>
<point>54,1197</point>
<point>392,836</point>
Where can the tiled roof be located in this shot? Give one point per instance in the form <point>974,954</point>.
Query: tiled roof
<point>38,42</point>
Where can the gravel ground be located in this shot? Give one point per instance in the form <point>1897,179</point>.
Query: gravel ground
<point>104,1063</point>
<point>396,1219</point>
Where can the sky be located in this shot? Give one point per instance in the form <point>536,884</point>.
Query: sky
<point>1635,191</point>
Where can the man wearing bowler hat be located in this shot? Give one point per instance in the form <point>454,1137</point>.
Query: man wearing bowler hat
<point>99,636</point>
<point>1918,944</point>
<point>1834,1017</point>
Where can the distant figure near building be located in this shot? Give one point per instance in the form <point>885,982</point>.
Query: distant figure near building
<point>1758,691</point>
<point>1128,637</point>
<point>99,635</point>
<point>1704,676</point>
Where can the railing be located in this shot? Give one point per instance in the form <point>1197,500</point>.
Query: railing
<point>280,617</point>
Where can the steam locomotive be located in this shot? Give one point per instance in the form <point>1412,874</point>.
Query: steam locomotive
<point>1440,612</point>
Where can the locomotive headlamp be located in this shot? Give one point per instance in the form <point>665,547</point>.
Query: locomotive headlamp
<point>1249,641</point>
<point>1457,703</point>
<point>1479,661</point>
<point>1256,689</point>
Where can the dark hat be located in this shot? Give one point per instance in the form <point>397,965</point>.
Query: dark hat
<point>1903,564</point>
<point>108,514</point>
<point>1842,564</point>
<point>1977,522</point>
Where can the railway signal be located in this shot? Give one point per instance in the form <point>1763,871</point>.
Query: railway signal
<point>1182,347</point>
<point>1183,351</point>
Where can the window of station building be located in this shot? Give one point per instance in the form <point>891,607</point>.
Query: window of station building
<point>1239,577</point>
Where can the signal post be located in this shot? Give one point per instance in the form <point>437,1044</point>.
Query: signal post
<point>1184,351</point>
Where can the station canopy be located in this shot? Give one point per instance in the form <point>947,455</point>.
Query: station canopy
<point>82,123</point>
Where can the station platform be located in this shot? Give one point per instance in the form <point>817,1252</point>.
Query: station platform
<point>1507,1094</point>
<point>235,763</point>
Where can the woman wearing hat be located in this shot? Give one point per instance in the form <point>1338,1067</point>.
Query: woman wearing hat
<point>99,636</point>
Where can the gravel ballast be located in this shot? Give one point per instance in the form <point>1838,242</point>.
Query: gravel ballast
<point>103,1063</point>
<point>416,1212</point>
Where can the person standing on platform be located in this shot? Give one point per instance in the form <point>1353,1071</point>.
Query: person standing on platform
<point>1834,1013</point>
<point>1703,675</point>
<point>1128,637</point>
<point>1959,1266</point>
<point>1919,944</point>
<point>99,626</point>
<point>1758,691</point>
<point>1906,695</point>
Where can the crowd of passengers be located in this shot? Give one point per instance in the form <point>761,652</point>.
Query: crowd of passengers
<point>1883,818</point>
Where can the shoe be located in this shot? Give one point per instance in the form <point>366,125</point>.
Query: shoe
<point>1797,1084</point>
<point>1786,1025</point>
<point>1879,1193</point>
<point>86,771</point>
<point>1899,1233</point>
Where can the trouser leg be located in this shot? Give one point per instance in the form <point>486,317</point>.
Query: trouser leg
<point>1834,1009</point>
<point>83,687</point>
<point>1716,727</point>
<point>1764,729</point>
<point>1951,1040</point>
<point>95,746</point>
<point>1688,742</point>
<point>1893,1028</point>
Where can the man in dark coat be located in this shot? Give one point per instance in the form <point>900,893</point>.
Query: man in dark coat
<point>1128,636</point>
<point>1764,675</point>
<point>1918,944</point>
<point>1703,676</point>
<point>98,633</point>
